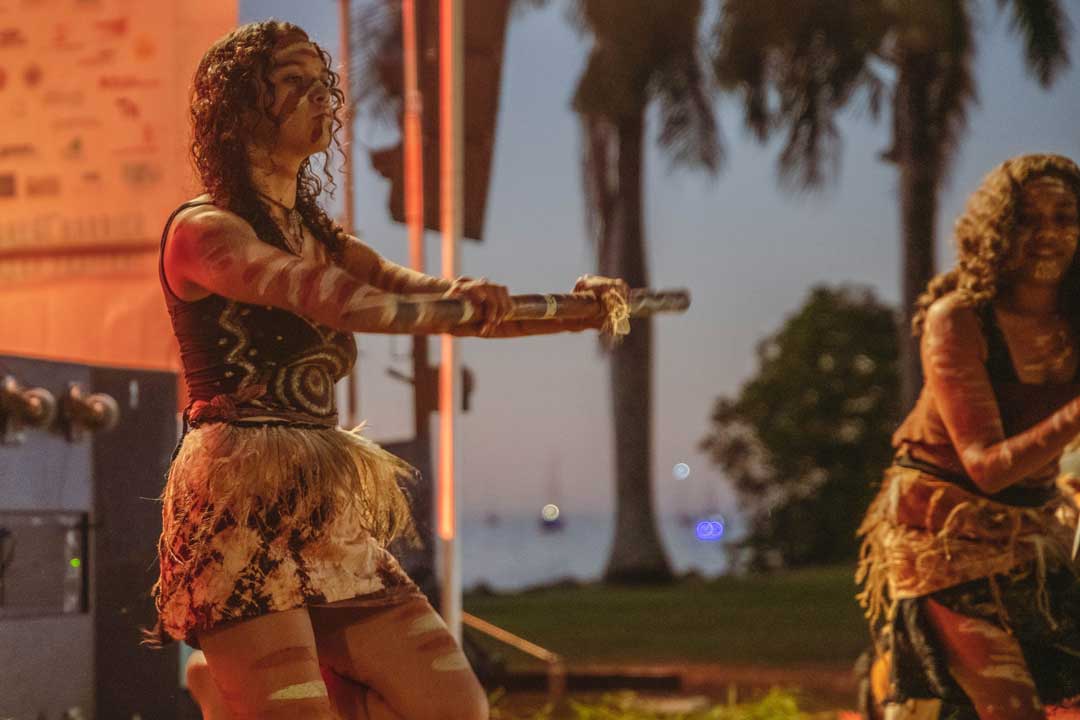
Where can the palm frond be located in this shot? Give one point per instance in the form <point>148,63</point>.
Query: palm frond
<point>1045,30</point>
<point>644,50</point>
<point>935,86</point>
<point>812,151</point>
<point>688,128</point>
<point>744,41</point>
<point>954,90</point>
<point>797,66</point>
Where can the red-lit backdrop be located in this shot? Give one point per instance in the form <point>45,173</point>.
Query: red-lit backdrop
<point>93,135</point>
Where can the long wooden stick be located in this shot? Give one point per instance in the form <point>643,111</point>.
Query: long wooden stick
<point>582,306</point>
<point>437,314</point>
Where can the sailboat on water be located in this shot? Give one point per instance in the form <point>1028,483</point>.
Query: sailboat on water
<point>551,517</point>
<point>686,516</point>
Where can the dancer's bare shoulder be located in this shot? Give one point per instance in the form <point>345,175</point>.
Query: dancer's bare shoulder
<point>203,239</point>
<point>953,326</point>
<point>952,312</point>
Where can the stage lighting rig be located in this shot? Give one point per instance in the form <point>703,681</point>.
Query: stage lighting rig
<point>80,412</point>
<point>22,407</point>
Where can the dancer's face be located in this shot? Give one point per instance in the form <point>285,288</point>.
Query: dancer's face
<point>302,111</point>
<point>1046,232</point>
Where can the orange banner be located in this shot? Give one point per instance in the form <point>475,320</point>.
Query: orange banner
<point>93,157</point>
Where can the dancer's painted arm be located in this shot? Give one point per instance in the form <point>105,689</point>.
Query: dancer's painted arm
<point>597,285</point>
<point>366,264</point>
<point>222,254</point>
<point>363,263</point>
<point>952,357</point>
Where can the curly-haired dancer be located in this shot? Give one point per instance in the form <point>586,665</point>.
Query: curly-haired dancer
<point>275,521</point>
<point>970,583</point>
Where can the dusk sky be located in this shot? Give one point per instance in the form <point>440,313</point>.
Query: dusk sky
<point>747,251</point>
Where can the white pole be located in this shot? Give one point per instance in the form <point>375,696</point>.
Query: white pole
<point>451,148</point>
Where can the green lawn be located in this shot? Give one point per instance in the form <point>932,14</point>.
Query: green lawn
<point>785,619</point>
<point>776,705</point>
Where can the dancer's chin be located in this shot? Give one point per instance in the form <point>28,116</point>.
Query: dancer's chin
<point>320,144</point>
<point>1048,272</point>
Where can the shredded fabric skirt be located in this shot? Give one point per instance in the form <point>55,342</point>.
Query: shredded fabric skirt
<point>1006,565</point>
<point>265,518</point>
<point>1050,641</point>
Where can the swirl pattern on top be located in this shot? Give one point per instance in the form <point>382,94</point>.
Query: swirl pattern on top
<point>297,361</point>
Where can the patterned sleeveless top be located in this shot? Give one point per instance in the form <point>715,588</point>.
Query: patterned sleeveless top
<point>247,361</point>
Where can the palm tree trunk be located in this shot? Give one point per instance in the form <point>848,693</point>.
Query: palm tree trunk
<point>919,180</point>
<point>637,554</point>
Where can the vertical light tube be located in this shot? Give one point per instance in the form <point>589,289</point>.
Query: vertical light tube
<point>451,148</point>
<point>414,146</point>
<point>348,186</point>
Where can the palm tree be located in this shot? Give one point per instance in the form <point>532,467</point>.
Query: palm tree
<point>797,64</point>
<point>643,50</point>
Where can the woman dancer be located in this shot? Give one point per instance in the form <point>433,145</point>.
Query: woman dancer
<point>967,559</point>
<point>275,521</point>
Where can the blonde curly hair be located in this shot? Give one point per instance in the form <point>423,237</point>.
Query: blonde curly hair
<point>984,235</point>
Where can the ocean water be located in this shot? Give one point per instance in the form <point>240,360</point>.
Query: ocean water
<point>515,553</point>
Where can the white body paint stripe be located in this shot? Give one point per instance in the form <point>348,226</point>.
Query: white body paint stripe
<point>451,662</point>
<point>302,691</point>
<point>425,624</point>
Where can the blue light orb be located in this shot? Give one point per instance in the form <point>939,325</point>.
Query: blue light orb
<point>710,530</point>
<point>681,471</point>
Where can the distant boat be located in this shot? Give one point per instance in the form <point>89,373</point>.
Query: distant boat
<point>490,518</point>
<point>686,515</point>
<point>551,517</point>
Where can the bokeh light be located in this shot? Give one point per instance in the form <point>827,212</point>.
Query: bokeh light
<point>550,512</point>
<point>710,529</point>
<point>681,471</point>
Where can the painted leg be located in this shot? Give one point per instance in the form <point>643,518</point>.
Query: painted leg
<point>353,701</point>
<point>406,655</point>
<point>206,693</point>
<point>268,669</point>
<point>987,664</point>
<point>348,698</point>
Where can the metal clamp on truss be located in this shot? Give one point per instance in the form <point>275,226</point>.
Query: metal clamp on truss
<point>80,412</point>
<point>22,407</point>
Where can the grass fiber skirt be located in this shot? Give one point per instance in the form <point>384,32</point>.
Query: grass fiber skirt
<point>265,518</point>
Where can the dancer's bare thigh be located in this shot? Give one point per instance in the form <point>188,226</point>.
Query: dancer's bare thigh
<point>268,667</point>
<point>405,654</point>
<point>988,664</point>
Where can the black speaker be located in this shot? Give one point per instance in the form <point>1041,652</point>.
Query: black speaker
<point>79,520</point>
<point>418,559</point>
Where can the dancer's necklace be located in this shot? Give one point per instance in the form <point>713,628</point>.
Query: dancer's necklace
<point>294,232</point>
